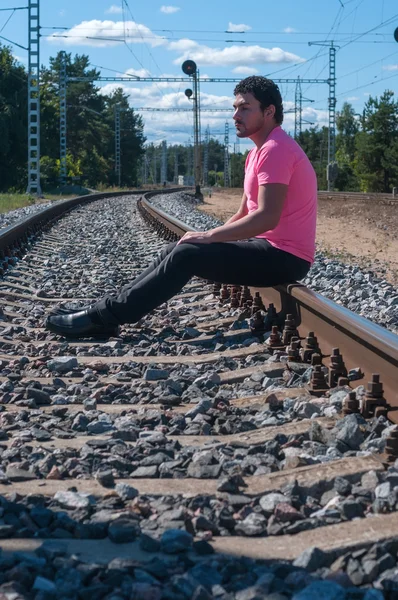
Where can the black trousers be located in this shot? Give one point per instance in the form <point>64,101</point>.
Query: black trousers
<point>253,262</point>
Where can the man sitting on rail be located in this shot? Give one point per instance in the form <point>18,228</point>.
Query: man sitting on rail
<point>270,240</point>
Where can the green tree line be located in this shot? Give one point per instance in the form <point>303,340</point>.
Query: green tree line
<point>366,144</point>
<point>90,127</point>
<point>366,147</point>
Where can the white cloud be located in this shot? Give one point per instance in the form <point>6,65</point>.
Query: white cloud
<point>289,30</point>
<point>169,10</point>
<point>233,55</point>
<point>85,33</point>
<point>232,28</point>
<point>367,94</point>
<point>138,72</point>
<point>352,98</point>
<point>390,68</point>
<point>114,10</point>
<point>183,45</point>
<point>245,70</point>
<point>62,12</point>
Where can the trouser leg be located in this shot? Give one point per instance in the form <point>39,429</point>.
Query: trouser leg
<point>252,262</point>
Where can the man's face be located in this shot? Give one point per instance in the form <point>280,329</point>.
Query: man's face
<point>248,116</point>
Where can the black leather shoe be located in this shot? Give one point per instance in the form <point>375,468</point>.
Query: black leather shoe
<point>79,324</point>
<point>66,310</point>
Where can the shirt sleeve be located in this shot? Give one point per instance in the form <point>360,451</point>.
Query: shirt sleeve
<point>275,164</point>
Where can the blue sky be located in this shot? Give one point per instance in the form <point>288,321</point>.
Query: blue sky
<point>226,39</point>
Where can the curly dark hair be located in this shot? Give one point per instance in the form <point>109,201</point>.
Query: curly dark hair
<point>265,91</point>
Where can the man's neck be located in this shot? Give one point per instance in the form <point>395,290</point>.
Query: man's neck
<point>260,136</point>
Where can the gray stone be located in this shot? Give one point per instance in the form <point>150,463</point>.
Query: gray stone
<point>143,472</point>
<point>254,524</point>
<point>62,364</point>
<point>199,471</point>
<point>44,585</point>
<point>73,499</point>
<point>321,590</point>
<point>269,502</point>
<point>383,491</point>
<point>175,540</point>
<point>17,474</point>
<point>105,478</point>
<point>122,531</point>
<point>156,374</point>
<point>125,491</point>
<point>311,559</point>
<point>351,434</point>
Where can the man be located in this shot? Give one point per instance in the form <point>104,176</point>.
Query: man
<point>270,240</point>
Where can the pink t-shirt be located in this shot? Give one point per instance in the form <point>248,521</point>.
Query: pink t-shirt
<point>281,160</point>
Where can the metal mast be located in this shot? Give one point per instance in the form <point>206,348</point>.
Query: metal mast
<point>175,166</point>
<point>227,178</point>
<point>118,164</point>
<point>332,166</point>
<point>206,157</point>
<point>34,99</point>
<point>332,111</point>
<point>62,119</point>
<point>298,110</point>
<point>145,163</point>
<point>163,167</point>
<point>155,167</point>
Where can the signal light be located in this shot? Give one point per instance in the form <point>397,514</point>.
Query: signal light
<point>188,92</point>
<point>189,67</point>
<point>396,35</point>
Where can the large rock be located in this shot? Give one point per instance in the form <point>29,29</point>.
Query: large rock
<point>175,540</point>
<point>62,364</point>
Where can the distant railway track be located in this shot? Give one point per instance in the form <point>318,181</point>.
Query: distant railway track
<point>128,411</point>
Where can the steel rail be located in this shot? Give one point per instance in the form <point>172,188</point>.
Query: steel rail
<point>362,343</point>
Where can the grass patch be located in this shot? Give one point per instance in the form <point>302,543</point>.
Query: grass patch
<point>12,201</point>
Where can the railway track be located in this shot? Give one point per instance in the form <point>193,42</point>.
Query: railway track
<point>191,457</point>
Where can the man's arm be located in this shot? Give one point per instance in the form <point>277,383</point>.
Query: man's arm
<point>271,199</point>
<point>242,211</point>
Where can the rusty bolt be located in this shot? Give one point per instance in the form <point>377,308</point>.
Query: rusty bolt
<point>391,448</point>
<point>309,348</point>
<point>289,330</point>
<point>274,340</point>
<point>234,301</point>
<point>337,367</point>
<point>374,403</point>
<point>318,384</point>
<point>293,351</point>
<point>224,293</point>
<point>258,302</point>
<point>350,404</point>
<point>316,359</point>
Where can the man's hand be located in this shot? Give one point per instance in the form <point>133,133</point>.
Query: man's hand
<point>196,237</point>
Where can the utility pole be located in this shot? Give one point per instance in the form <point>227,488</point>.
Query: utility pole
<point>163,167</point>
<point>206,157</point>
<point>175,167</point>
<point>62,119</point>
<point>34,99</point>
<point>189,68</point>
<point>331,171</point>
<point>118,163</point>
<point>227,177</point>
<point>298,111</point>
